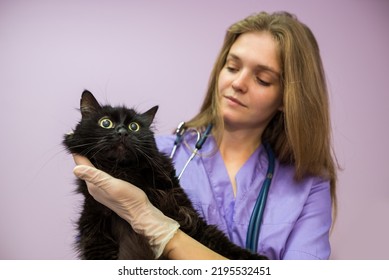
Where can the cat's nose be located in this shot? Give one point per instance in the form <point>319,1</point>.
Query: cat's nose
<point>123,132</point>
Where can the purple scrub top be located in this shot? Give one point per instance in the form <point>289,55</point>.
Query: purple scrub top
<point>297,217</point>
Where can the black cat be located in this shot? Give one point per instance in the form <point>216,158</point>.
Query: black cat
<point>120,142</point>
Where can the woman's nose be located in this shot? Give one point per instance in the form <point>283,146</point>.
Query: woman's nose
<point>240,83</point>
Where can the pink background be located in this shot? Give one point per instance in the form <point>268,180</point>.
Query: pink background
<point>144,53</point>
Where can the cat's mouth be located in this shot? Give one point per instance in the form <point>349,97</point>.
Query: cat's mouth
<point>119,153</point>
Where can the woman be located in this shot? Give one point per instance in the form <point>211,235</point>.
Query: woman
<point>267,86</point>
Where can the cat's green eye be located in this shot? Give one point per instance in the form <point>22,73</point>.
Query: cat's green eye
<point>106,123</point>
<point>134,126</point>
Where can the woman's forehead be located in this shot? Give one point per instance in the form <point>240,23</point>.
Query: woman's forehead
<point>257,49</point>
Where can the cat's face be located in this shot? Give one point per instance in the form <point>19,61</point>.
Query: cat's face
<point>111,134</point>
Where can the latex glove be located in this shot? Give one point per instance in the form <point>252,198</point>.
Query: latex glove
<point>129,202</point>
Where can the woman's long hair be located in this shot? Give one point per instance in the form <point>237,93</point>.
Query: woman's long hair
<point>301,133</point>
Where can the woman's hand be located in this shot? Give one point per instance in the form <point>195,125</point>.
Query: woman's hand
<point>129,202</point>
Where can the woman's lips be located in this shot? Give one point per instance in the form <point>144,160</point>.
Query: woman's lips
<point>234,100</point>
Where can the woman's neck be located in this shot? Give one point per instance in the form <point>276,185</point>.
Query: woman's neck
<point>236,147</point>
<point>243,142</point>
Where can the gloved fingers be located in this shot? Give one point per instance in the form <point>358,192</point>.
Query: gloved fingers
<point>92,175</point>
<point>81,160</point>
<point>98,179</point>
<point>104,188</point>
<point>86,171</point>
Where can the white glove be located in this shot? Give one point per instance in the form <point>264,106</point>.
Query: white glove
<point>129,202</point>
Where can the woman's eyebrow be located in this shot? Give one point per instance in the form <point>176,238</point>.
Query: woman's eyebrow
<point>260,67</point>
<point>268,69</point>
<point>232,56</point>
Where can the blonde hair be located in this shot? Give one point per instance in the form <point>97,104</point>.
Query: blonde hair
<point>301,133</point>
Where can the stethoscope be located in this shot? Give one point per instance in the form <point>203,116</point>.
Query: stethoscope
<point>254,227</point>
<point>180,131</point>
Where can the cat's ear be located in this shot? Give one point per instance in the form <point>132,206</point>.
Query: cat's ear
<point>149,115</point>
<point>88,104</point>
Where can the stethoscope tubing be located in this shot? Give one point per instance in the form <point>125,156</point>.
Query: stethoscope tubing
<point>180,131</point>
<point>256,218</point>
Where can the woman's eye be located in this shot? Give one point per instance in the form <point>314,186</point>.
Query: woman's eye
<point>134,126</point>
<point>262,82</point>
<point>231,69</point>
<point>106,123</point>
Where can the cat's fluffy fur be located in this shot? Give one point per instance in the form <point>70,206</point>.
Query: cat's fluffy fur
<point>131,154</point>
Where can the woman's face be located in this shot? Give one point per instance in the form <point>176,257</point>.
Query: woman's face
<point>249,83</point>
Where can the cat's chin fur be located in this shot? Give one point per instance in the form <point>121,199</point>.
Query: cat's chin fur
<point>101,233</point>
